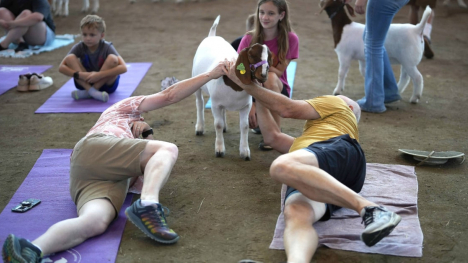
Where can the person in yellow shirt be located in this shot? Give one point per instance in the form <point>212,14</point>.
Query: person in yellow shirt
<point>324,168</point>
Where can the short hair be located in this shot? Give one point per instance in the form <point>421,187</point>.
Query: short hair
<point>93,21</point>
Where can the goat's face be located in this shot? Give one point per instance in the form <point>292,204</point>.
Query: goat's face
<point>260,60</point>
<point>252,63</point>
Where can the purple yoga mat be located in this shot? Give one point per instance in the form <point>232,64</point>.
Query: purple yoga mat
<point>9,74</point>
<point>48,181</point>
<point>62,102</point>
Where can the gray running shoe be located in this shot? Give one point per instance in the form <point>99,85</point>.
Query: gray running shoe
<point>20,250</point>
<point>151,220</point>
<point>379,223</point>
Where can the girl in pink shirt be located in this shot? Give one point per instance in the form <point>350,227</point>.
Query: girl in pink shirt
<point>272,28</point>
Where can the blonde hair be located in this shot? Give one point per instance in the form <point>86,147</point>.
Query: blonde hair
<point>93,21</point>
<point>284,27</point>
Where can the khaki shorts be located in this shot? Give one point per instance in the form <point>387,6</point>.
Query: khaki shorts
<point>101,167</point>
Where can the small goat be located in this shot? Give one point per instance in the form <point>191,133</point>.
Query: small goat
<point>252,63</point>
<point>60,7</point>
<point>404,45</point>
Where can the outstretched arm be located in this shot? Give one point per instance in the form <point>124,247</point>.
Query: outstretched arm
<point>276,102</point>
<point>180,90</point>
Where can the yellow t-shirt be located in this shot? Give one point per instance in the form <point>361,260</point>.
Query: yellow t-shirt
<point>336,118</point>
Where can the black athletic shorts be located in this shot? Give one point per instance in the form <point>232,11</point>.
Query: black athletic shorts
<point>343,158</point>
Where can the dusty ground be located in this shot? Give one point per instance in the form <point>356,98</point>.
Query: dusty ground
<point>240,202</point>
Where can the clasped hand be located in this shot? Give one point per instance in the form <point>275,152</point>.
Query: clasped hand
<point>139,127</point>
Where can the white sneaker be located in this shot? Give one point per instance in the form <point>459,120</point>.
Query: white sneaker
<point>39,82</point>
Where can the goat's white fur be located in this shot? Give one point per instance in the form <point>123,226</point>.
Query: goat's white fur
<point>210,52</point>
<point>404,45</point>
<point>60,7</point>
<point>460,3</point>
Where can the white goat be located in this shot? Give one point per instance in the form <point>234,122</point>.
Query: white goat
<point>460,3</point>
<point>404,45</point>
<point>60,7</point>
<point>225,95</point>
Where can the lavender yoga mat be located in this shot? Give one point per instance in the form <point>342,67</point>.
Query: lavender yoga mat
<point>9,74</point>
<point>393,186</point>
<point>62,102</point>
<point>48,181</point>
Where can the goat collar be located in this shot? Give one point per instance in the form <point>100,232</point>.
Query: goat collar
<point>253,67</point>
<point>336,12</point>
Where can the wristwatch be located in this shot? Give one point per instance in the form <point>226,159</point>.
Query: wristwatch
<point>76,75</point>
<point>147,133</point>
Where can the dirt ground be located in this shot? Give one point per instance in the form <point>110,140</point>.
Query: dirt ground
<point>240,201</point>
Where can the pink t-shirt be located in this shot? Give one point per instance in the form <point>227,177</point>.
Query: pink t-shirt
<point>293,51</point>
<point>118,119</point>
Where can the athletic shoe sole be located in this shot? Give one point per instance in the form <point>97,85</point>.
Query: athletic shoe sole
<point>373,238</point>
<point>135,220</point>
<point>11,255</point>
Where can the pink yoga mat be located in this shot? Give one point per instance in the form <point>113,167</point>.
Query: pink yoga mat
<point>9,74</point>
<point>62,102</point>
<point>393,186</point>
<point>48,181</point>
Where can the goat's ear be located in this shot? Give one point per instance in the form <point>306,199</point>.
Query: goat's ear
<point>231,84</point>
<point>350,10</point>
<point>243,66</point>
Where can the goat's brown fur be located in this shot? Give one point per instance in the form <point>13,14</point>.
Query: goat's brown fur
<point>248,56</point>
<point>340,19</point>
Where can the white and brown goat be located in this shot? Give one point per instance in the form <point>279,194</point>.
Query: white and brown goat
<point>252,63</point>
<point>404,45</point>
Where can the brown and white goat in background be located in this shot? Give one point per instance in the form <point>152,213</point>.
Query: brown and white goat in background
<point>60,7</point>
<point>252,63</point>
<point>404,45</point>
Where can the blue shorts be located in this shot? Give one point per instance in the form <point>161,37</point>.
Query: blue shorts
<point>343,158</point>
<point>107,88</point>
<point>50,36</point>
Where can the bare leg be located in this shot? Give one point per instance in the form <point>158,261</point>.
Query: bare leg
<point>7,16</point>
<point>271,131</point>
<point>111,62</point>
<point>274,84</point>
<point>300,237</point>
<point>300,170</point>
<point>74,63</point>
<point>156,161</point>
<point>93,219</point>
<point>33,35</point>
<point>36,34</point>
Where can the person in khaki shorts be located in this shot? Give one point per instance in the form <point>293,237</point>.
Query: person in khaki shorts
<point>103,165</point>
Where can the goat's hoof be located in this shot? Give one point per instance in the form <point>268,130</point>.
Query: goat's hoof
<point>199,133</point>
<point>414,100</point>
<point>224,130</point>
<point>247,158</point>
<point>220,154</point>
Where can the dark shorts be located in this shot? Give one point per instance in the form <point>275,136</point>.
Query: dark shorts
<point>284,91</point>
<point>343,158</point>
<point>107,88</point>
